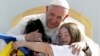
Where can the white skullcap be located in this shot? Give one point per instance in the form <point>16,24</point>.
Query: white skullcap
<point>62,3</point>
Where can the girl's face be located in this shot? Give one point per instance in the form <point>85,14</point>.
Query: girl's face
<point>64,35</point>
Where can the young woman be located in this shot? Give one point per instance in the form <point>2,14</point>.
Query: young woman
<point>68,34</point>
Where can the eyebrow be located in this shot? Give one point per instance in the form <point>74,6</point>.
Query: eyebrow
<point>54,15</point>
<point>64,32</point>
<point>59,17</point>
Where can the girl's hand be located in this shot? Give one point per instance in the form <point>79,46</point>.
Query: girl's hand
<point>77,46</point>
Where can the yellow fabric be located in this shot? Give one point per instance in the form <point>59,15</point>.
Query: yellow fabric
<point>72,13</point>
<point>7,50</point>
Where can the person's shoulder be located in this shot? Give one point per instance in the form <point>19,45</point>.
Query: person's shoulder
<point>70,19</point>
<point>32,17</point>
<point>35,15</point>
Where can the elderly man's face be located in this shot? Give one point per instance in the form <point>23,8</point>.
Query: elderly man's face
<point>54,16</point>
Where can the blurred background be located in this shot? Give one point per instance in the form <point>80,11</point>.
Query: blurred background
<point>11,8</point>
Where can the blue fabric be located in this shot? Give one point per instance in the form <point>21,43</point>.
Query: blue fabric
<point>24,50</point>
<point>7,38</point>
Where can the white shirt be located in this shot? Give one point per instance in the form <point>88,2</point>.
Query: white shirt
<point>64,50</point>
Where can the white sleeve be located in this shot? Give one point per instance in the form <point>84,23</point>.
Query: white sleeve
<point>73,20</point>
<point>18,30</point>
<point>61,50</point>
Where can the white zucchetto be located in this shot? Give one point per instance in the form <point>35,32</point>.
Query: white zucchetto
<point>62,3</point>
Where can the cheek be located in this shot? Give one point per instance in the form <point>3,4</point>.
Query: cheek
<point>49,22</point>
<point>49,19</point>
<point>69,40</point>
<point>57,23</point>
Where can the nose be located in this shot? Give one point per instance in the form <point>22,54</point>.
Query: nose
<point>62,37</point>
<point>54,20</point>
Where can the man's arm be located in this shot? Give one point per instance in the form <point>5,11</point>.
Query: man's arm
<point>87,45</point>
<point>18,30</point>
<point>93,48</point>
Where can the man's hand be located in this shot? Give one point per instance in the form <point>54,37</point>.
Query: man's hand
<point>77,46</point>
<point>33,36</point>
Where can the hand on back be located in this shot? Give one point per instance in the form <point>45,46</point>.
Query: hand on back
<point>33,36</point>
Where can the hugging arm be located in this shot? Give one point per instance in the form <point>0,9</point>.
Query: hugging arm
<point>36,46</point>
<point>18,30</point>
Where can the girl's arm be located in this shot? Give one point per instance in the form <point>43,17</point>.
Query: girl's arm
<point>36,46</point>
